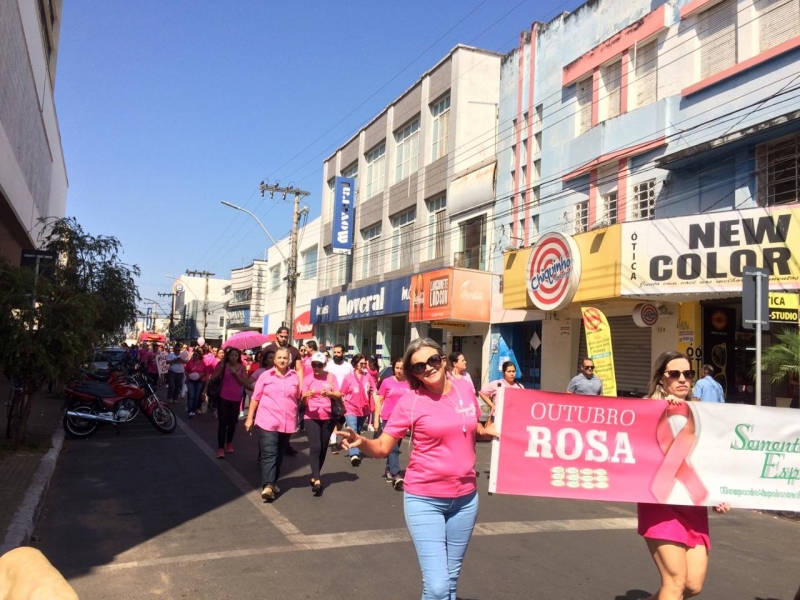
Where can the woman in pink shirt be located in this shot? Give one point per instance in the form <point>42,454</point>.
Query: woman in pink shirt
<point>509,379</point>
<point>196,374</point>
<point>441,498</point>
<point>392,389</point>
<point>234,378</point>
<point>273,410</point>
<point>357,389</point>
<point>319,387</point>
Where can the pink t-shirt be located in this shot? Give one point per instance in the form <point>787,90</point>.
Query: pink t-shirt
<point>197,370</point>
<point>490,389</point>
<point>319,406</point>
<point>443,430</point>
<point>356,394</point>
<point>231,388</point>
<point>277,401</point>
<point>391,391</point>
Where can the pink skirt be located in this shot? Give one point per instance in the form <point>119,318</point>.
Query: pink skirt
<point>687,525</point>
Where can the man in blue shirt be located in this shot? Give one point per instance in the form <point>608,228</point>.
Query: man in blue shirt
<point>708,389</point>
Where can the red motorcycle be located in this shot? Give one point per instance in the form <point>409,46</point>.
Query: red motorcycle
<point>112,399</point>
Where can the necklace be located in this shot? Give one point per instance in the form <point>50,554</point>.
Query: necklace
<point>460,404</point>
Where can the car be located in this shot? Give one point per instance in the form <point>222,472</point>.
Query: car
<point>103,356</point>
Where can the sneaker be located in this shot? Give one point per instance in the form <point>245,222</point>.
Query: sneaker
<point>241,415</point>
<point>316,489</point>
<point>191,414</point>
<point>355,460</point>
<point>220,453</point>
<point>267,493</point>
<point>397,483</point>
<point>229,448</point>
<point>387,475</point>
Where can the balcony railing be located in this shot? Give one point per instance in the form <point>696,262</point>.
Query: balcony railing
<point>473,258</point>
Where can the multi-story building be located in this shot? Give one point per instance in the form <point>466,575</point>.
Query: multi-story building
<point>245,306</point>
<point>33,176</point>
<point>199,308</point>
<point>661,139</point>
<point>424,174</point>
<point>308,267</point>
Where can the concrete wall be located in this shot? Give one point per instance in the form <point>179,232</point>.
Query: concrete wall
<point>33,180</point>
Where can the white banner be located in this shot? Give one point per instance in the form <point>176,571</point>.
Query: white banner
<point>706,253</point>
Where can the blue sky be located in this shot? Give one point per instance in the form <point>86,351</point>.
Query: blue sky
<point>168,108</point>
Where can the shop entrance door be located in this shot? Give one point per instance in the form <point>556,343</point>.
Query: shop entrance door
<point>471,346</point>
<point>399,336</point>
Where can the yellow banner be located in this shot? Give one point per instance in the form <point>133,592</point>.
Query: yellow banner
<point>598,345</point>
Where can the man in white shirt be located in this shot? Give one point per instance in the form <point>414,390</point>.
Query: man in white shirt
<point>338,366</point>
<point>176,359</point>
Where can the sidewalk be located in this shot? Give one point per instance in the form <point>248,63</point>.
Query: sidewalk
<point>17,469</point>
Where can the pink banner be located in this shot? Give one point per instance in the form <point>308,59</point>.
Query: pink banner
<point>600,448</point>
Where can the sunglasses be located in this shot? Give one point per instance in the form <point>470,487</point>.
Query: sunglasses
<point>317,365</point>
<point>434,362</point>
<point>676,374</point>
<point>589,368</point>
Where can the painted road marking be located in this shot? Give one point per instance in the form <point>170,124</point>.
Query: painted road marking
<point>347,539</point>
<point>271,513</point>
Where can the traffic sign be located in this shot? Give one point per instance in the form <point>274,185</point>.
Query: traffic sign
<point>750,288</point>
<point>784,307</point>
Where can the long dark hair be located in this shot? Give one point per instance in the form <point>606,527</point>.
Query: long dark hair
<point>413,347</point>
<point>655,389</point>
<point>228,351</point>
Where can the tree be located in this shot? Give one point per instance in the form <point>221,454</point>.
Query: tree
<point>50,324</point>
<point>783,358</point>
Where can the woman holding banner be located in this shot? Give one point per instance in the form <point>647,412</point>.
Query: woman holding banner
<point>677,536</point>
<point>441,498</point>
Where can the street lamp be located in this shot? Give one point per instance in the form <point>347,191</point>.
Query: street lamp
<point>291,278</point>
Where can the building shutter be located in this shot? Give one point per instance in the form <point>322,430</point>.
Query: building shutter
<point>631,347</point>
<point>612,76</point>
<point>778,21</point>
<point>717,35</point>
<point>584,97</point>
<point>647,73</point>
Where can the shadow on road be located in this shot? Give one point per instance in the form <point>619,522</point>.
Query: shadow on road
<point>304,481</point>
<point>634,595</point>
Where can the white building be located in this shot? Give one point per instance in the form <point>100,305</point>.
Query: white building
<point>199,307</point>
<point>33,176</point>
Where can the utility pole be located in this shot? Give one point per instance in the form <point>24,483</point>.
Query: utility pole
<point>205,274</point>
<point>291,275</point>
<point>171,309</point>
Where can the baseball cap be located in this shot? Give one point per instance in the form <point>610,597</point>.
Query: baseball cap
<point>319,357</point>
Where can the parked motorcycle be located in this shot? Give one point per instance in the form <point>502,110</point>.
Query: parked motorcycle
<point>113,398</point>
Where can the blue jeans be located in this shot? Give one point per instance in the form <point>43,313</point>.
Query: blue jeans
<point>393,460</point>
<point>193,390</point>
<point>273,448</point>
<point>440,529</point>
<point>356,424</point>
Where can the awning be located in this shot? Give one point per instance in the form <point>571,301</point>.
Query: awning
<point>472,190</point>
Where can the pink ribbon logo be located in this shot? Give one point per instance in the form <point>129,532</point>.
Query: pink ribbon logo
<point>676,450</point>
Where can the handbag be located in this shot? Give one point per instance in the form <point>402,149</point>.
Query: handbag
<point>214,387</point>
<point>337,406</point>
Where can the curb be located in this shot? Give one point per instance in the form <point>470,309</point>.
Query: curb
<point>24,520</point>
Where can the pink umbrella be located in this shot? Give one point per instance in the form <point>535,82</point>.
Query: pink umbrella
<point>245,339</point>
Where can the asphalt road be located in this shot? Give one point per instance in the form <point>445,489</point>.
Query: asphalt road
<point>145,515</point>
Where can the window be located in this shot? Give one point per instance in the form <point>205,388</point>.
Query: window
<point>351,172</point>
<point>537,143</point>
<point>375,170</point>
<point>523,152</point>
<point>610,208</point>
<point>441,127</point>
<point>583,97</point>
<point>331,196</point>
<point>370,258</point>
<point>535,196</point>
<point>778,165</point>
<point>537,119</point>
<point>534,228</point>
<point>403,239</point>
<point>222,321</point>
<point>644,200</point>
<point>473,244</point>
<point>647,73</point>
<point>611,76</point>
<point>242,295</point>
<point>537,170</point>
<point>581,217</point>
<point>778,21</point>
<point>437,224</point>
<point>717,33</point>
<point>310,263</point>
<point>407,161</point>
<point>275,277</point>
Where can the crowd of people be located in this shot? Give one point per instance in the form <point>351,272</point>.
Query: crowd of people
<point>432,397</point>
